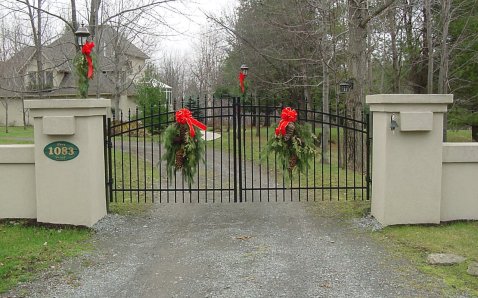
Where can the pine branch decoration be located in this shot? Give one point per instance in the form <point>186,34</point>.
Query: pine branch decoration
<point>293,144</point>
<point>184,148</point>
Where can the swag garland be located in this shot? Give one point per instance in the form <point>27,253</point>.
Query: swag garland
<point>183,145</point>
<point>293,143</point>
<point>84,66</point>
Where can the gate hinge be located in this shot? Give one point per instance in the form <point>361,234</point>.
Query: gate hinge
<point>108,144</point>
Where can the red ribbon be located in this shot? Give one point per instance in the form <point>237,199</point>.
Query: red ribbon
<point>86,50</point>
<point>242,77</point>
<point>288,115</point>
<point>184,116</point>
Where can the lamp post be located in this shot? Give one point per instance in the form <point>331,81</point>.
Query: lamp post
<point>346,86</point>
<point>244,69</point>
<point>83,61</point>
<point>242,77</point>
<point>82,35</point>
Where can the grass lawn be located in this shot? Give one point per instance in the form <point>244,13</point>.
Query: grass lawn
<point>459,135</point>
<point>16,135</point>
<point>26,249</point>
<point>415,242</point>
<point>142,175</point>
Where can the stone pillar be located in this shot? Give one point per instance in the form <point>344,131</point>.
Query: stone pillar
<point>407,161</point>
<point>69,160</point>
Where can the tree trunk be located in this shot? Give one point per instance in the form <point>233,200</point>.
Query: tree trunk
<point>393,41</point>
<point>95,7</point>
<point>39,55</point>
<point>428,16</point>
<point>357,12</point>
<point>443,73</point>
<point>37,40</point>
<point>74,20</point>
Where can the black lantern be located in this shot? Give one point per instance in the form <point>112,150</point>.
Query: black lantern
<point>82,35</point>
<point>346,86</point>
<point>244,69</point>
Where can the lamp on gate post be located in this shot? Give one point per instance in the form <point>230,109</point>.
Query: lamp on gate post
<point>82,35</point>
<point>244,69</point>
<point>242,77</point>
<point>83,61</point>
<point>346,86</point>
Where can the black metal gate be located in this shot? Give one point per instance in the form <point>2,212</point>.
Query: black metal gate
<point>234,170</point>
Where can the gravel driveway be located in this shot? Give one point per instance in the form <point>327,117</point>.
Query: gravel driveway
<point>232,250</point>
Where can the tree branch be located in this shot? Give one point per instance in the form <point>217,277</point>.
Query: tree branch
<point>376,13</point>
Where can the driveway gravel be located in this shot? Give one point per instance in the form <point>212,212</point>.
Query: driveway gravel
<point>233,250</point>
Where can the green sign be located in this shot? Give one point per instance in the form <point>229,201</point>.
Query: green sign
<point>61,151</point>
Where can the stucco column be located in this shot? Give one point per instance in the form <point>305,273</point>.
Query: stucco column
<point>407,161</point>
<point>70,180</point>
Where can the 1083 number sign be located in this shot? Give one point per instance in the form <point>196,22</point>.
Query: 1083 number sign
<point>61,151</point>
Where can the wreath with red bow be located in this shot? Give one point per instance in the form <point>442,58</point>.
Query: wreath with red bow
<point>84,65</point>
<point>292,143</point>
<point>184,148</point>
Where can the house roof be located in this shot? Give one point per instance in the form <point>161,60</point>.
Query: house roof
<point>61,53</point>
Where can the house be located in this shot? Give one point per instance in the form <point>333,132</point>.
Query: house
<point>118,64</point>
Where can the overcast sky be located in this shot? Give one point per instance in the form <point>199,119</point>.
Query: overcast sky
<point>189,25</point>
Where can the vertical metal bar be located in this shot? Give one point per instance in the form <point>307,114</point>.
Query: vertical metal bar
<point>268,120</point>
<point>243,140</point>
<point>258,123</point>
<point>130,158</point>
<point>369,156</point>
<point>234,146</point>
<point>220,144</point>
<point>355,149</point>
<point>330,157</point>
<point>307,168</point>
<point>106,161</point>
<point>239,147</point>
<point>346,134</point>
<point>110,163</point>
<point>122,157</point>
<point>322,159</point>
<point>339,126</point>
<point>362,165</point>
<point>283,171</point>
<point>230,149</point>
<point>113,181</point>
<point>145,155</point>
<point>137,155</point>
<point>213,151</point>
<point>252,118</point>
<point>205,150</point>
<point>159,162</point>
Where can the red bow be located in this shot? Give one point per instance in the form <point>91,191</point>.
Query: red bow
<point>86,50</point>
<point>288,115</point>
<point>184,116</point>
<point>241,81</point>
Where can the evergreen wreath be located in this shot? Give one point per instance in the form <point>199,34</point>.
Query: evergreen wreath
<point>292,143</point>
<point>84,64</point>
<point>183,145</point>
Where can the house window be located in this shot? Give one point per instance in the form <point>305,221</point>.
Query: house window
<point>33,83</point>
<point>48,79</point>
<point>32,78</point>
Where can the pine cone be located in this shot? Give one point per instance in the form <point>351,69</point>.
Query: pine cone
<point>292,162</point>
<point>183,130</point>
<point>179,158</point>
<point>289,131</point>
